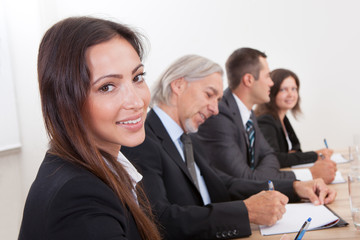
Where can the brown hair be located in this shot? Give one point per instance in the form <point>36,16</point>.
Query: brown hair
<point>64,84</point>
<point>240,62</point>
<point>278,76</point>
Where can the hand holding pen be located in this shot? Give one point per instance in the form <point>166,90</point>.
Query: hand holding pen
<point>325,153</point>
<point>266,207</point>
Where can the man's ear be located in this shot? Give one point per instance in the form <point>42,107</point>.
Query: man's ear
<point>178,86</point>
<point>248,79</point>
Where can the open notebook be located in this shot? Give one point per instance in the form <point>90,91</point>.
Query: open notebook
<point>297,213</point>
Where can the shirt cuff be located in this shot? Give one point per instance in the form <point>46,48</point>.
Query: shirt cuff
<point>303,174</point>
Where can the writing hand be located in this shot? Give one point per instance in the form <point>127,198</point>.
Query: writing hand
<point>266,207</point>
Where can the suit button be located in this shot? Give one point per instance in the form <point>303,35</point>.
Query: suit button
<point>224,234</point>
<point>235,232</point>
<point>230,233</point>
<point>218,235</point>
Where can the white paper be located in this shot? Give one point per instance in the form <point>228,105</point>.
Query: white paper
<point>339,158</point>
<point>303,175</point>
<point>338,178</point>
<point>295,216</point>
<point>336,157</point>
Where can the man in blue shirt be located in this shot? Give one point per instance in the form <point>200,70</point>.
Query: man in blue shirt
<point>190,199</point>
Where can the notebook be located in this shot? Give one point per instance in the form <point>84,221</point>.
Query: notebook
<point>297,213</point>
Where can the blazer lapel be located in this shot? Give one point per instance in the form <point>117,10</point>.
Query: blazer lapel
<point>292,135</point>
<point>158,129</point>
<point>230,101</point>
<point>215,187</point>
<point>283,134</point>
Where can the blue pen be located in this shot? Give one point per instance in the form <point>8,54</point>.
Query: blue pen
<point>326,143</point>
<point>303,229</point>
<point>271,185</point>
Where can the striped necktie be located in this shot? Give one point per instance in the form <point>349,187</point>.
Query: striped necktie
<point>251,136</point>
<point>189,158</point>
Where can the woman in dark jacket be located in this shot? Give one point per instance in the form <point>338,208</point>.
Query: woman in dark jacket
<point>94,100</point>
<point>276,127</point>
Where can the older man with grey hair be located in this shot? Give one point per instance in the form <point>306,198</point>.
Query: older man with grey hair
<point>189,199</point>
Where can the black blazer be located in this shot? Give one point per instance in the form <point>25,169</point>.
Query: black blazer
<point>175,200</point>
<point>275,135</point>
<point>224,138</point>
<point>68,202</point>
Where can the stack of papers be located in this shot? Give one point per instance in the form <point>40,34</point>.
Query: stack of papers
<point>336,157</point>
<point>295,216</point>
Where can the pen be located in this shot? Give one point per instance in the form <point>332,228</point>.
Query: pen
<point>303,229</point>
<point>271,185</point>
<point>326,143</point>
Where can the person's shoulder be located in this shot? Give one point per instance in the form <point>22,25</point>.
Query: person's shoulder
<point>57,175</point>
<point>151,141</point>
<point>78,187</point>
<point>224,102</point>
<point>266,118</point>
<point>148,153</point>
<point>56,167</point>
<point>224,107</point>
<point>55,172</point>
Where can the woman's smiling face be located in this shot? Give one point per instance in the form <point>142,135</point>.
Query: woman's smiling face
<point>116,107</point>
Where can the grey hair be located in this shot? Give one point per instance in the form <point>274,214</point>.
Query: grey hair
<point>189,67</point>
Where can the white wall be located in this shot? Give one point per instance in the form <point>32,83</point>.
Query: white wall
<point>17,168</point>
<point>319,40</point>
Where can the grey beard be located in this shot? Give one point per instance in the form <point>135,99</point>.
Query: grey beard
<point>189,127</point>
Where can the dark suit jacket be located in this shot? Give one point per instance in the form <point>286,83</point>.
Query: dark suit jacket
<point>175,200</point>
<point>68,202</point>
<point>275,135</point>
<point>225,139</point>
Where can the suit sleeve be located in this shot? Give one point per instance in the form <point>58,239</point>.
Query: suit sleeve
<point>272,134</point>
<point>85,208</point>
<point>175,206</point>
<point>227,150</point>
<point>244,188</point>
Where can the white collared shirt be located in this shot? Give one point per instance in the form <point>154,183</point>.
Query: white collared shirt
<point>244,111</point>
<point>288,141</point>
<point>175,132</point>
<point>131,170</point>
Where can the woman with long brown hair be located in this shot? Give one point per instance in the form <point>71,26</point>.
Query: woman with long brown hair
<point>94,100</point>
<point>276,127</point>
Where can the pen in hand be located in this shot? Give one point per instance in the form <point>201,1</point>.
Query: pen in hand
<point>271,185</point>
<point>303,229</point>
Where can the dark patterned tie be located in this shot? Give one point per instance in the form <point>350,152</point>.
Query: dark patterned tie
<point>251,136</point>
<point>189,158</point>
